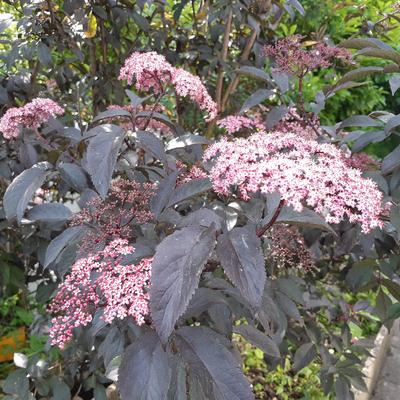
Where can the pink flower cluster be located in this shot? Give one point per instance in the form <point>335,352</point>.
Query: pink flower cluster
<point>293,123</point>
<point>31,116</point>
<point>303,171</point>
<point>237,123</point>
<point>128,201</point>
<point>152,71</point>
<point>292,58</point>
<point>100,281</point>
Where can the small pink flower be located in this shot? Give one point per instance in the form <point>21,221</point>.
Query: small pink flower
<point>236,123</point>
<point>31,116</point>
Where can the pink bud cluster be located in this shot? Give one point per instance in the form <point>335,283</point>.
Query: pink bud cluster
<point>291,57</point>
<point>287,248</point>
<point>101,282</point>
<point>31,116</point>
<point>195,172</point>
<point>362,161</point>
<point>152,71</point>
<point>127,202</point>
<point>303,171</point>
<point>236,123</point>
<point>293,123</point>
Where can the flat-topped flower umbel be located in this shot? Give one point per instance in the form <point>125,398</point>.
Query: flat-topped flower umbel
<point>304,172</point>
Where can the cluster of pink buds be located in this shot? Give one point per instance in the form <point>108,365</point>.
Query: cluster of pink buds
<point>31,116</point>
<point>291,56</point>
<point>101,282</point>
<point>292,122</point>
<point>152,71</point>
<point>127,202</point>
<point>304,172</point>
<point>287,248</point>
<point>362,161</point>
<point>187,175</point>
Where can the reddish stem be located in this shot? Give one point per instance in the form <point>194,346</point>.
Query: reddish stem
<point>262,230</point>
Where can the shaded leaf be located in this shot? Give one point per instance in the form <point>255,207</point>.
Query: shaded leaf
<point>386,54</point>
<point>203,347</point>
<point>158,117</point>
<point>117,113</point>
<point>359,120</point>
<point>342,389</point>
<point>258,339</point>
<point>74,176</point>
<point>256,98</point>
<point>394,82</point>
<point>304,218</point>
<point>135,99</point>
<point>240,254</point>
<point>102,153</point>
<point>303,356</point>
<point>188,190</point>
<point>21,190</point>
<point>202,217</point>
<point>49,212</point>
<point>145,372</point>
<point>360,43</point>
<point>186,140</point>
<point>254,73</point>
<point>152,145</point>
<point>392,123</point>
<point>163,193</point>
<point>44,53</point>
<point>391,161</point>
<point>59,243</point>
<point>355,75</point>
<point>275,115</point>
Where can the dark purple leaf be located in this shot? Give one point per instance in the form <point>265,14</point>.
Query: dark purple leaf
<point>240,254</point>
<point>176,269</point>
<point>145,372</point>
<point>102,153</point>
<point>205,350</point>
<point>22,189</point>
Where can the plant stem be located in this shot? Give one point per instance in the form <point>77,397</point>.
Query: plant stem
<point>262,230</point>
